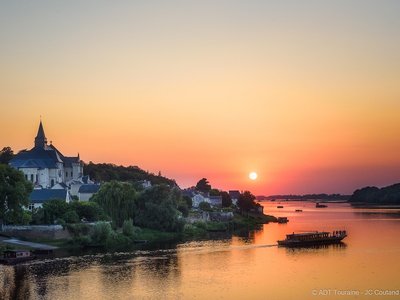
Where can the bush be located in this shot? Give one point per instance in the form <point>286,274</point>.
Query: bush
<point>71,217</point>
<point>128,229</point>
<point>101,232</point>
<point>78,230</point>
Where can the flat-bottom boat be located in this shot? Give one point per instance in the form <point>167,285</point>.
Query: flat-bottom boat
<point>313,238</point>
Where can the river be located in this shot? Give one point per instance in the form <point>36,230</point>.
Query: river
<point>251,266</point>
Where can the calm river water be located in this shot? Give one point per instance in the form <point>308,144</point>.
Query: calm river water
<point>367,266</point>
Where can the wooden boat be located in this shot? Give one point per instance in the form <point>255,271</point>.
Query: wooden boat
<point>279,206</point>
<point>298,210</point>
<point>12,257</point>
<point>305,239</point>
<point>319,205</point>
<point>283,220</point>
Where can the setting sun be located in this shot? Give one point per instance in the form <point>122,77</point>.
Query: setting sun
<point>253,175</point>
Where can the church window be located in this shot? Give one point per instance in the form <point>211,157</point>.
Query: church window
<point>66,174</point>
<point>52,182</point>
<point>36,178</point>
<point>26,176</point>
<point>32,177</point>
<point>71,174</point>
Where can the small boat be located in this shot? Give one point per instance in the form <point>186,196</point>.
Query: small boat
<point>279,206</point>
<point>305,239</point>
<point>319,205</point>
<point>12,257</point>
<point>298,210</point>
<point>283,220</point>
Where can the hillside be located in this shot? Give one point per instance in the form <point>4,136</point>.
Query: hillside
<point>106,172</point>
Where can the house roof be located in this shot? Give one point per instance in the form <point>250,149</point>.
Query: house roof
<point>43,195</point>
<point>89,188</point>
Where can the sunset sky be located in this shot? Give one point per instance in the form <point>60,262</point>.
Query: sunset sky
<point>305,93</point>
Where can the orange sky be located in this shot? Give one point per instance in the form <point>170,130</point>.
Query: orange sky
<point>308,95</point>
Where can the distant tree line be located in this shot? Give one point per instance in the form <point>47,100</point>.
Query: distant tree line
<point>374,195</point>
<point>306,197</point>
<point>104,172</point>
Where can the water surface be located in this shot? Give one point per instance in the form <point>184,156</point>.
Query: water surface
<point>239,267</point>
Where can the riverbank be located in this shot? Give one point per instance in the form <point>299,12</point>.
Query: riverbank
<point>117,240</point>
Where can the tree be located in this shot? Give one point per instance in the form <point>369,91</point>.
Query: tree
<point>203,185</point>
<point>54,209</point>
<point>214,192</point>
<point>6,154</point>
<point>246,201</point>
<point>90,211</point>
<point>14,194</point>
<point>157,209</point>
<point>205,206</point>
<point>71,217</point>
<point>226,199</point>
<point>118,200</point>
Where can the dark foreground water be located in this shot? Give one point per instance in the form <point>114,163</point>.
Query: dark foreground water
<point>367,266</point>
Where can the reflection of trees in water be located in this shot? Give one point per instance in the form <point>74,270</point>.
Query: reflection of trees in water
<point>15,283</point>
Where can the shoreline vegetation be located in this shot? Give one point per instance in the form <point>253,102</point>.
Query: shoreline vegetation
<point>124,212</point>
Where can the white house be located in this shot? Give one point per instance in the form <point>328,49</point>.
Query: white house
<point>40,196</point>
<point>86,191</point>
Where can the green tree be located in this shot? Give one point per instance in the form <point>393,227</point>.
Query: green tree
<point>6,154</point>
<point>246,201</point>
<point>90,211</point>
<point>118,200</point>
<point>203,185</point>
<point>214,192</point>
<point>71,217</point>
<point>226,199</point>
<point>205,206</point>
<point>53,210</point>
<point>157,209</point>
<point>189,201</point>
<point>14,194</point>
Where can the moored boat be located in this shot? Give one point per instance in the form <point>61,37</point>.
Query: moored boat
<point>283,220</point>
<point>279,206</point>
<point>319,205</point>
<point>12,257</point>
<point>313,238</point>
<point>298,210</point>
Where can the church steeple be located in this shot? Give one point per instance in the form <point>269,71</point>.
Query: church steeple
<point>40,139</point>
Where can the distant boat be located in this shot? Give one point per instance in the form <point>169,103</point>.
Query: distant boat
<point>312,238</point>
<point>279,206</point>
<point>298,210</point>
<point>318,205</point>
<point>273,200</point>
<point>283,220</point>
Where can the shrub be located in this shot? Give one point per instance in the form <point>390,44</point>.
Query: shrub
<point>101,232</point>
<point>71,217</point>
<point>128,228</point>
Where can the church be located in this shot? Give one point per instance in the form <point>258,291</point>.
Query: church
<point>45,166</point>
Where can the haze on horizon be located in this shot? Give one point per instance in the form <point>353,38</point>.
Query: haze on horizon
<point>305,93</point>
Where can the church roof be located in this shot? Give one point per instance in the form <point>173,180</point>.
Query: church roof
<point>37,157</point>
<point>43,195</point>
<point>68,160</point>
